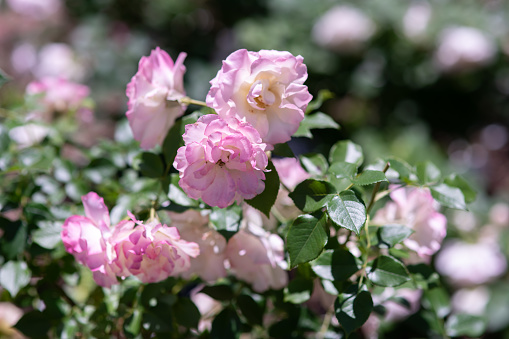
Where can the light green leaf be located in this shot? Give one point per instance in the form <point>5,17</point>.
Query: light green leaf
<point>404,170</point>
<point>323,95</point>
<point>226,220</point>
<point>48,234</point>
<point>14,275</point>
<point>265,200</point>
<point>343,169</point>
<point>387,271</point>
<point>317,120</point>
<point>369,177</point>
<point>465,325</point>
<point>449,196</point>
<point>427,172</point>
<point>390,235</point>
<point>306,239</point>
<point>314,164</point>
<point>311,195</point>
<point>298,290</point>
<point>345,210</point>
<point>455,180</point>
<point>437,300</point>
<point>346,151</point>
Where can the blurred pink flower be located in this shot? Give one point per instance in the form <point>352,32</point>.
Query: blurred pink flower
<point>222,161</point>
<point>290,171</point>
<point>86,238</point>
<point>153,94</point>
<point>263,88</point>
<point>37,9</point>
<point>9,316</point>
<point>343,29</point>
<point>152,252</point>
<point>463,49</point>
<point>466,264</point>
<point>193,226</point>
<point>58,60</point>
<point>251,261</point>
<point>414,208</point>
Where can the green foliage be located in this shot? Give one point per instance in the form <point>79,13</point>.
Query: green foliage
<point>353,309</point>
<point>316,120</point>
<point>345,210</point>
<point>449,196</point>
<point>306,238</point>
<point>14,275</point>
<point>311,195</point>
<point>387,271</point>
<point>335,265</point>
<point>458,325</point>
<point>265,200</point>
<point>346,151</point>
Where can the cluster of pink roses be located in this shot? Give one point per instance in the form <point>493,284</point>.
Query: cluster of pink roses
<point>152,252</point>
<point>260,100</point>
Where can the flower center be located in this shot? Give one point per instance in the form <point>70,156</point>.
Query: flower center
<point>260,96</point>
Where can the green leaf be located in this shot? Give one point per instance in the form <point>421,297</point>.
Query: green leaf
<point>226,325</point>
<point>315,164</point>
<point>132,324</point>
<point>226,220</point>
<point>14,275</point>
<point>323,95</point>
<point>177,195</point>
<point>346,151</point>
<point>403,169</point>
<point>455,180</point>
<point>172,142</point>
<point>99,170</point>
<point>343,169</point>
<point>369,177</point>
<point>465,325</point>
<point>449,196</point>
<point>390,235</point>
<point>48,234</point>
<point>151,165</point>
<point>14,239</point>
<point>335,265</point>
<point>352,311</point>
<point>311,195</point>
<point>317,120</point>
<point>298,290</point>
<point>306,238</point>
<point>283,150</point>
<point>3,78</point>
<point>437,300</point>
<point>219,292</point>
<point>345,210</point>
<point>186,313</point>
<point>427,172</point>
<point>250,309</point>
<point>34,324</point>
<point>265,200</point>
<point>389,272</point>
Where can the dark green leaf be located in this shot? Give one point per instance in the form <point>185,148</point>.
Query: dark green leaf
<point>226,325</point>
<point>311,195</point>
<point>283,150</point>
<point>14,239</point>
<point>342,169</point>
<point>151,165</point>
<point>172,142</point>
<point>323,95</point>
<point>465,325</point>
<point>427,172</point>
<point>345,210</point>
<point>346,151</point>
<point>186,313</point>
<point>250,309</point>
<point>449,196</point>
<point>48,234</point>
<point>437,300</point>
<point>14,275</point>
<point>226,220</point>
<point>298,290</point>
<point>317,120</point>
<point>218,292</point>
<point>306,238</point>
<point>352,311</point>
<point>3,78</point>
<point>335,265</point>
<point>387,271</point>
<point>34,324</point>
<point>265,200</point>
<point>315,164</point>
<point>390,235</point>
<point>454,180</point>
<point>369,177</point>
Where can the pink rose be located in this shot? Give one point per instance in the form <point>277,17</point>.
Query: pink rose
<point>152,252</point>
<point>222,161</point>
<point>85,237</point>
<point>153,95</point>
<point>263,88</point>
<point>250,260</point>
<point>193,226</point>
<point>290,172</point>
<point>414,208</point>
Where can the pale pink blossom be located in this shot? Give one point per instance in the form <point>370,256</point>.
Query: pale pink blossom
<point>471,300</point>
<point>37,9</point>
<point>56,94</point>
<point>9,316</point>
<point>153,94</point>
<point>208,308</point>
<point>250,261</point>
<point>343,29</point>
<point>416,20</point>
<point>152,251</point>
<point>290,171</point>
<point>193,226</point>
<point>415,208</point>
<point>466,264</point>
<point>86,237</point>
<point>463,48</point>
<point>264,88</point>
<point>28,135</point>
<point>222,161</point>
<point>58,60</point>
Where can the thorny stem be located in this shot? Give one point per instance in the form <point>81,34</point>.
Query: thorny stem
<point>189,101</point>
